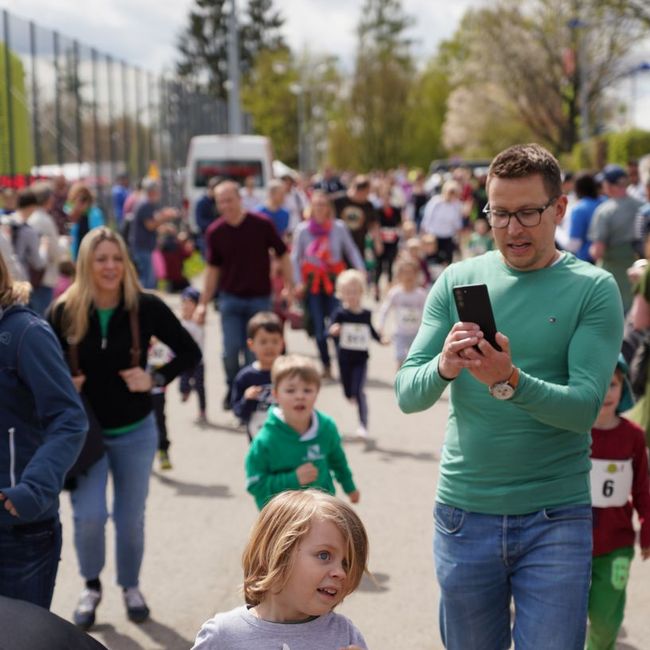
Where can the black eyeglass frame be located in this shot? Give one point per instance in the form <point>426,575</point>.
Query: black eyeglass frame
<point>487,211</point>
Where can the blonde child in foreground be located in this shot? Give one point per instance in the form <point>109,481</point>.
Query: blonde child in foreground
<point>297,447</point>
<point>307,551</point>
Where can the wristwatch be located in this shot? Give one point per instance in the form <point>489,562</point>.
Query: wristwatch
<point>506,389</point>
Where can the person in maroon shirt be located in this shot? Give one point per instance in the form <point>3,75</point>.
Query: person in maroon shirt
<point>238,263</point>
<point>619,471</point>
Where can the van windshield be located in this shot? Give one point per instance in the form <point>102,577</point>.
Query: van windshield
<point>226,169</point>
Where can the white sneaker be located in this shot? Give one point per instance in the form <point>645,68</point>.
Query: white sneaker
<point>362,432</point>
<point>136,608</point>
<point>84,613</point>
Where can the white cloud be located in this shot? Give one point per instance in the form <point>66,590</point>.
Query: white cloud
<point>144,32</point>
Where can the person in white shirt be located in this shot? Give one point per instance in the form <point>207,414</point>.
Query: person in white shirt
<point>443,218</point>
<point>43,223</point>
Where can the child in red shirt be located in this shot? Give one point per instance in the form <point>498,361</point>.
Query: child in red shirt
<point>619,471</point>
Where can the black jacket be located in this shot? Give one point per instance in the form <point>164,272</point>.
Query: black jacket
<point>102,359</point>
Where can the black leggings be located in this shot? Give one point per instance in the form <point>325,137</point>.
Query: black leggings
<point>385,262</point>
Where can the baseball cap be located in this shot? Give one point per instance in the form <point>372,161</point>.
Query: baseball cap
<point>627,401</point>
<point>190,293</point>
<point>613,173</point>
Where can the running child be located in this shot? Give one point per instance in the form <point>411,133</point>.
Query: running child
<point>619,471</point>
<point>406,299</point>
<point>351,329</point>
<point>298,447</point>
<point>159,355</point>
<point>252,390</point>
<point>193,379</point>
<point>307,551</point>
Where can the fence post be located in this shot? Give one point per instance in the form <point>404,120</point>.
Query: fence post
<point>35,123</point>
<point>10,112</point>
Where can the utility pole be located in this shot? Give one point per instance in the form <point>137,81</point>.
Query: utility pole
<point>234,73</point>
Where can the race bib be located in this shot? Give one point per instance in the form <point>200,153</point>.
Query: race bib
<point>257,420</point>
<point>408,319</point>
<point>389,235</point>
<point>611,482</point>
<point>355,336</point>
<point>158,355</point>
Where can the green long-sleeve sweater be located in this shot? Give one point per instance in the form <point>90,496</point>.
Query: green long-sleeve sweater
<point>565,326</point>
<point>278,450</point>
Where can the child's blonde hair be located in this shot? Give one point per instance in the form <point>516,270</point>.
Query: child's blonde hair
<point>351,276</point>
<point>293,365</point>
<point>268,557</point>
<point>403,262</point>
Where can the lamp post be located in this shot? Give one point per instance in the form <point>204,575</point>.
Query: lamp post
<point>234,104</point>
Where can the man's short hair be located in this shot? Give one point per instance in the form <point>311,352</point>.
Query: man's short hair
<point>43,191</point>
<point>264,320</point>
<point>293,365</point>
<point>275,184</point>
<point>361,182</point>
<point>26,198</point>
<point>213,182</point>
<point>523,160</point>
<point>150,184</point>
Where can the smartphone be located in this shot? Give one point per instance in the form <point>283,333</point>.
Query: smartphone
<point>473,305</point>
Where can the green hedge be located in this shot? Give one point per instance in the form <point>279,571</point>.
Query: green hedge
<point>617,147</point>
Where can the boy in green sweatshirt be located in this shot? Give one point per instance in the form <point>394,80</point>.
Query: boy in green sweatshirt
<point>298,447</point>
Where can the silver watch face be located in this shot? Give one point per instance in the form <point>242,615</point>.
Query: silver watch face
<point>502,390</point>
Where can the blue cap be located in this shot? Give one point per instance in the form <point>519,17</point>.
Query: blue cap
<point>190,293</point>
<point>613,173</point>
<point>627,401</point>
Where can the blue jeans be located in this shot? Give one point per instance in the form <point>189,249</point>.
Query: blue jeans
<point>320,307</point>
<point>29,560</point>
<point>129,457</point>
<point>542,561</point>
<point>40,299</point>
<point>235,314</point>
<point>144,266</point>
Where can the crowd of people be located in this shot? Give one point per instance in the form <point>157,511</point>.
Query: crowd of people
<point>357,261</point>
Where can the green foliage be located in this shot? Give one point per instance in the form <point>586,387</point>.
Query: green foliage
<point>203,45</point>
<point>627,145</point>
<point>267,96</point>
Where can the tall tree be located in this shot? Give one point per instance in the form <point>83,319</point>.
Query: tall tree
<point>203,44</point>
<point>545,63</point>
<point>382,80</point>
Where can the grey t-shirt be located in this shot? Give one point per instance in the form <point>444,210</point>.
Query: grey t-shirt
<point>238,629</point>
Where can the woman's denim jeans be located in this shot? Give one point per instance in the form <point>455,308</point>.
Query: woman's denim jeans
<point>542,561</point>
<point>129,458</point>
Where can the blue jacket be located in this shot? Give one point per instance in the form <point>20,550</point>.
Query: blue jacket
<point>42,422</point>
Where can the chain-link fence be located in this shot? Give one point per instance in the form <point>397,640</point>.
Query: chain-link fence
<point>66,108</point>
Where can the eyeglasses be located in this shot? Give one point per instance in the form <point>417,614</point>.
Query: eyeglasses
<point>527,217</point>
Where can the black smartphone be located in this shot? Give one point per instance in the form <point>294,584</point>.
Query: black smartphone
<point>474,306</point>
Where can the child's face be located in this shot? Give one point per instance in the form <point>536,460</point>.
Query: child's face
<point>187,308</point>
<point>318,576</point>
<point>612,396</point>
<point>266,346</point>
<point>351,295</point>
<point>296,398</point>
<point>408,276</point>
<point>481,226</point>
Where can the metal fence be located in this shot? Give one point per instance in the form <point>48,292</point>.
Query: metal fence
<point>67,108</point>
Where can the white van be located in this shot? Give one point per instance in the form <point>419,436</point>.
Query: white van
<point>229,157</point>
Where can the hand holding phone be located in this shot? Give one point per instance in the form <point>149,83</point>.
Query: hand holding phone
<point>473,305</point>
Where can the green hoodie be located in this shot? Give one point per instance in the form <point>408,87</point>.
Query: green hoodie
<point>278,450</point>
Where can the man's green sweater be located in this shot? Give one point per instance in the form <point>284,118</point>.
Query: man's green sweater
<point>278,450</point>
<point>565,325</point>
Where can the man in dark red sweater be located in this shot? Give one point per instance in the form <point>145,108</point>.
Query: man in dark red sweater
<point>238,246</point>
<point>619,470</point>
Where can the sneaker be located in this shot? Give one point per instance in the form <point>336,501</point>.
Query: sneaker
<point>202,419</point>
<point>84,614</point>
<point>136,608</point>
<point>362,432</point>
<point>185,397</point>
<point>163,459</point>
<point>226,402</point>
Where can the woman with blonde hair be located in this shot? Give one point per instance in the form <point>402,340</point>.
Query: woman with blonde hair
<point>43,426</point>
<point>105,323</point>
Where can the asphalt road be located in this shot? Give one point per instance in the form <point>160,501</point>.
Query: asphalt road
<point>199,515</point>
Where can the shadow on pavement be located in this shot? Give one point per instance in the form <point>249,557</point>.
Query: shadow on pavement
<point>388,454</point>
<point>185,489</point>
<point>375,582</point>
<point>379,383</point>
<point>229,428</point>
<point>165,636</point>
<point>114,640</point>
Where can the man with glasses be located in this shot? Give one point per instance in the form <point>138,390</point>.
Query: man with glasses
<point>513,515</point>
